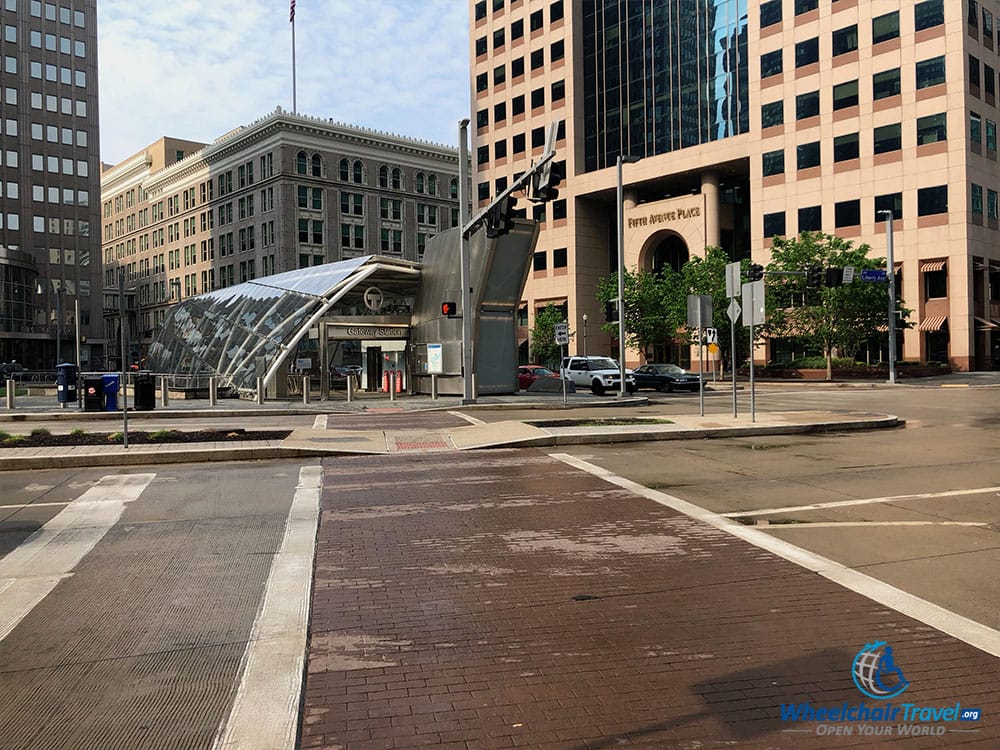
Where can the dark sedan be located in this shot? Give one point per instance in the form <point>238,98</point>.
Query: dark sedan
<point>666,378</point>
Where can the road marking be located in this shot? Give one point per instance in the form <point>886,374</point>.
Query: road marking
<point>32,505</point>
<point>264,714</point>
<point>862,501</point>
<point>969,631</point>
<point>320,422</point>
<point>844,524</point>
<point>29,573</point>
<point>467,417</point>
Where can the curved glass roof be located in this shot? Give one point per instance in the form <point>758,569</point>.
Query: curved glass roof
<point>242,332</point>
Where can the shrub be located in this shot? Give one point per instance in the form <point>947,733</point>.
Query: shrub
<point>160,435</point>
<point>14,439</point>
<point>116,437</point>
<point>40,432</point>
<point>77,432</point>
<point>4,435</point>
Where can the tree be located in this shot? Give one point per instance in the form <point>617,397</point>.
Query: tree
<point>544,349</point>
<point>841,317</point>
<point>647,315</point>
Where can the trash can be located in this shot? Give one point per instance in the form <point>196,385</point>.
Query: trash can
<point>93,394</point>
<point>144,388</point>
<point>110,382</point>
<point>66,382</point>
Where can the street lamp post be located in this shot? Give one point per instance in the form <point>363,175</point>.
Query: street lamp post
<point>60,293</point>
<point>622,159</point>
<point>891,273</point>
<point>585,334</point>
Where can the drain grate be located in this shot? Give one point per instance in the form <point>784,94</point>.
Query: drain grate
<point>420,445</point>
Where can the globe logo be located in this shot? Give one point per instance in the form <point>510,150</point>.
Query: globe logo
<point>875,672</point>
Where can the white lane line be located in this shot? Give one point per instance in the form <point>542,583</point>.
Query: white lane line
<point>862,501</point>
<point>858,524</point>
<point>33,505</point>
<point>467,417</point>
<point>264,714</point>
<point>320,422</point>
<point>969,631</point>
<point>30,572</point>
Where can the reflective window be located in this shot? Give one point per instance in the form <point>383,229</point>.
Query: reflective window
<point>811,219</point>
<point>932,129</point>
<point>807,155</point>
<point>932,200</point>
<point>770,64</point>
<point>845,40</point>
<point>773,163</point>
<point>807,105</point>
<point>770,13</point>
<point>885,84</point>
<point>847,213</point>
<point>774,224</point>
<point>888,138</point>
<point>846,147</point>
<point>928,14</point>
<point>845,95</point>
<point>891,202</point>
<point>885,27</point>
<point>807,52</point>
<point>930,72</point>
<point>772,114</point>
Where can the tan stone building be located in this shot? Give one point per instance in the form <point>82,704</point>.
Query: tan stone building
<point>285,192</point>
<point>754,119</point>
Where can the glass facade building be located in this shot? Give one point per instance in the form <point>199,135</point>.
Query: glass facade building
<point>661,75</point>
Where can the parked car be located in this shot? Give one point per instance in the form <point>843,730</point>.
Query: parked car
<point>599,374</point>
<point>13,370</point>
<point>528,374</point>
<point>665,377</point>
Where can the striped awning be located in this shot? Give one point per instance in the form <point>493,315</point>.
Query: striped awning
<point>985,325</point>
<point>933,323</point>
<point>932,265</point>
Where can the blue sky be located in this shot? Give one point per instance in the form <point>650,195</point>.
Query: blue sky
<point>196,69</point>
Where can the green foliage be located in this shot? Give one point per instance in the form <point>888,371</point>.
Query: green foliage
<point>824,318</point>
<point>116,437</point>
<point>544,349</point>
<point>14,439</point>
<point>160,435</point>
<point>77,431</point>
<point>807,363</point>
<point>40,432</point>
<point>4,435</point>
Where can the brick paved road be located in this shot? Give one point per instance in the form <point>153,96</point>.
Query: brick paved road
<point>503,599</point>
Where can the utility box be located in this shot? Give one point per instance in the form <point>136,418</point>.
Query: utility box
<point>66,382</point>
<point>110,383</point>
<point>93,394</point>
<point>144,388</point>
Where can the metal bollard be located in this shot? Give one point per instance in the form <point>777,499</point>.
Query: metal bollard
<point>213,392</point>
<point>305,389</point>
<point>350,388</point>
<point>434,387</point>
<point>11,388</point>
<point>164,393</point>
<point>392,388</point>
<point>260,391</point>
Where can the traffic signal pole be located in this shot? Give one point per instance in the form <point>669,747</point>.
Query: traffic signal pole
<point>468,389</point>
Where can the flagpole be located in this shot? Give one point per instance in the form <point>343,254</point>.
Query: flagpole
<point>291,17</point>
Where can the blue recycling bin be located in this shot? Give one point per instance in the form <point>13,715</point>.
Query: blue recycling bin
<point>110,383</point>
<point>66,382</point>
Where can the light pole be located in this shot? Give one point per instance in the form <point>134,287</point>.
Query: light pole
<point>891,272</point>
<point>622,159</point>
<point>585,334</point>
<point>468,389</point>
<point>60,293</point>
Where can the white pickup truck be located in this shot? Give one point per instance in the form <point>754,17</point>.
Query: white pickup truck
<point>599,374</point>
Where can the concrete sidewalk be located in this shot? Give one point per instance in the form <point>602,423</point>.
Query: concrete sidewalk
<point>460,437</point>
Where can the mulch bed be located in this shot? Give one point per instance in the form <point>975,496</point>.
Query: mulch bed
<point>138,437</point>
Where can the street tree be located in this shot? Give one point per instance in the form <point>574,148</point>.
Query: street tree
<point>544,349</point>
<point>825,318</point>
<point>647,313</point>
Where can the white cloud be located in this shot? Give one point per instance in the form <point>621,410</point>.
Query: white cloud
<point>196,70</point>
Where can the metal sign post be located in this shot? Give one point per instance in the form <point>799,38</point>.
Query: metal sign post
<point>123,326</point>
<point>699,311</point>
<point>753,314</point>
<point>561,332</point>
<point>733,312</point>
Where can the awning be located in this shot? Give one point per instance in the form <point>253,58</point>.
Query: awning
<point>985,325</point>
<point>933,323</point>
<point>932,265</point>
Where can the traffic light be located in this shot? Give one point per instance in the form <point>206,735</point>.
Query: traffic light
<point>755,272</point>
<point>544,183</point>
<point>611,311</point>
<point>834,276</point>
<point>449,309</point>
<point>814,276</point>
<point>499,220</point>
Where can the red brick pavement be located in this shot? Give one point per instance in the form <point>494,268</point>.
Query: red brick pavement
<point>503,599</point>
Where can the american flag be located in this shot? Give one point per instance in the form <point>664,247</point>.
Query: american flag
<point>291,12</point>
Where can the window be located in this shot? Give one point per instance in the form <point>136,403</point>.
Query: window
<point>977,199</point>
<point>989,82</point>
<point>928,14</point>
<point>517,105</point>
<point>772,114</point>
<point>890,202</point>
<point>845,40</point>
<point>991,135</point>
<point>517,67</point>
<point>539,261</point>
<point>885,84</point>
<point>537,98</point>
<point>536,21</point>
<point>482,82</point>
<point>811,219</point>
<point>559,257</point>
<point>973,17</point>
<point>845,95</point>
<point>930,72</point>
<point>537,59</point>
<point>358,172</point>
<point>558,91</point>
<point>993,212</point>
<point>557,51</point>
<point>517,143</point>
<point>770,13</point>
<point>935,284</point>
<point>500,149</point>
<point>888,138</point>
<point>316,168</point>
<point>516,29</point>
<point>804,6</point>
<point>499,74</point>
<point>499,112</point>
<point>932,200</point>
<point>807,52</point>
<point>499,39</point>
<point>846,147</point>
<point>556,11</point>
<point>807,155</point>
<point>975,128</point>
<point>807,105</point>
<point>987,26</point>
<point>931,129</point>
<point>847,213</point>
<point>885,27</point>
<point>774,224</point>
<point>770,64</point>
<point>773,163</point>
<point>559,209</point>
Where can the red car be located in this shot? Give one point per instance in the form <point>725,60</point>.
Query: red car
<point>528,374</point>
